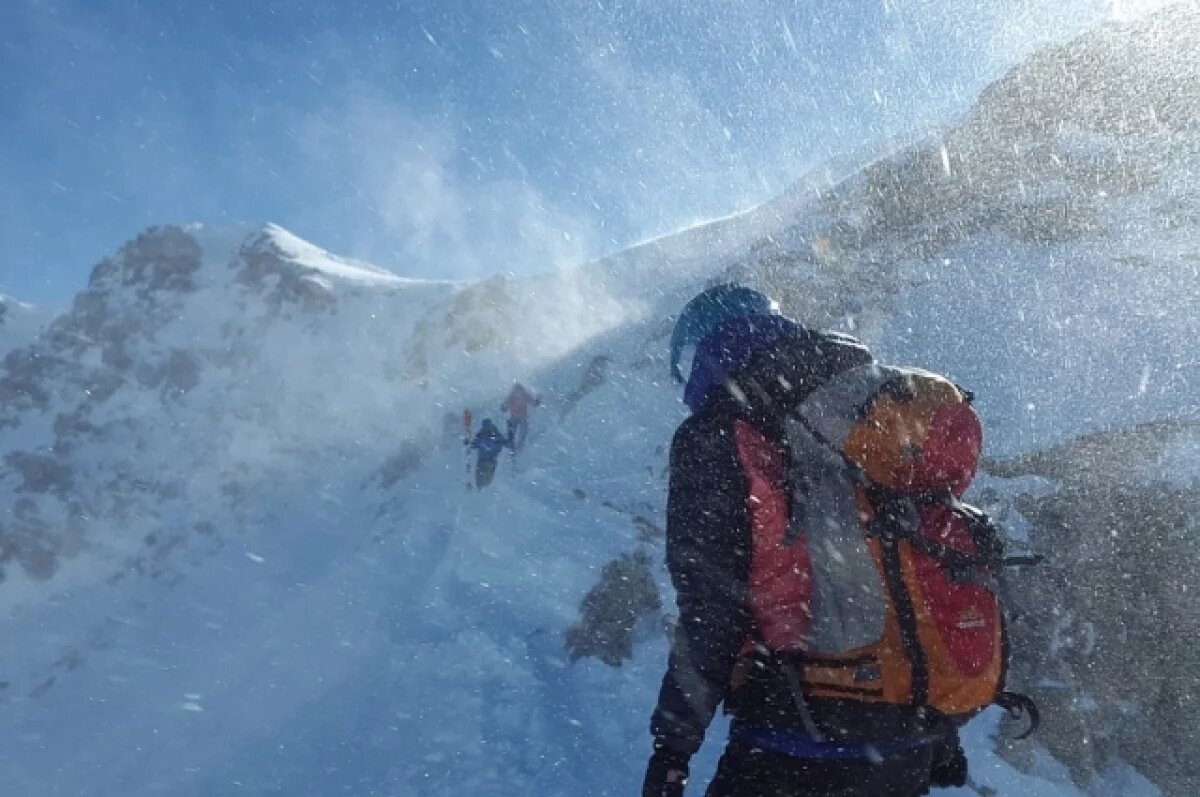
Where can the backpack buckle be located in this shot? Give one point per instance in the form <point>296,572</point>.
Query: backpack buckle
<point>896,518</point>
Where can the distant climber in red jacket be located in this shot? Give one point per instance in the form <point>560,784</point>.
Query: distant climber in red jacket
<point>517,405</point>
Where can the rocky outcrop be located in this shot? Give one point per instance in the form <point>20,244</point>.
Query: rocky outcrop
<point>593,377</point>
<point>611,610</point>
<point>1106,641</point>
<point>101,394</point>
<point>1111,457</point>
<point>1111,114</point>
<point>482,316</point>
<point>479,317</point>
<point>262,266</point>
<point>1139,78</point>
<point>162,259</point>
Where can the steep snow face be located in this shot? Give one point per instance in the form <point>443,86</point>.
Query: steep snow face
<point>302,253</point>
<point>239,555</point>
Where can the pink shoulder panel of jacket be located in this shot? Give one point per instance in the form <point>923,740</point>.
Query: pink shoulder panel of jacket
<point>780,585</point>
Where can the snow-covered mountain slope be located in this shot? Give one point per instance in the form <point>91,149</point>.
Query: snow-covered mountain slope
<point>198,363</point>
<point>239,557</point>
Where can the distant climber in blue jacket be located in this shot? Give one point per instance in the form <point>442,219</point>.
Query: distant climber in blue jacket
<point>489,442</point>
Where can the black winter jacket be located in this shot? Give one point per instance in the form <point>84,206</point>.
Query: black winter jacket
<point>709,547</point>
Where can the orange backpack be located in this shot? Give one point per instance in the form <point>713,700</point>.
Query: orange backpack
<point>893,596</point>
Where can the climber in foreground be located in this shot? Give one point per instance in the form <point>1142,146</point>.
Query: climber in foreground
<point>833,592</point>
<point>517,405</point>
<point>489,442</point>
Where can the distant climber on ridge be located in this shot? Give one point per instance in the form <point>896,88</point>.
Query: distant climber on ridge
<point>489,442</point>
<point>517,405</point>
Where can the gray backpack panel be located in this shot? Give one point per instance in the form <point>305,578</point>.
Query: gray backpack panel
<point>849,603</point>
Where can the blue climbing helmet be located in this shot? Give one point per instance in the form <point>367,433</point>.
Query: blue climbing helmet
<point>709,310</point>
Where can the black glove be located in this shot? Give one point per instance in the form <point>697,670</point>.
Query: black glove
<point>666,774</point>
<point>949,766</point>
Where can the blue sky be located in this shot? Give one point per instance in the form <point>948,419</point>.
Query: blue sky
<point>454,138</point>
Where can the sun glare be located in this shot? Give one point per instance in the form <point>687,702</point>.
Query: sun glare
<point>1127,10</point>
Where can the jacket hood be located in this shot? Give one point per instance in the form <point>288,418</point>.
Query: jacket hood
<point>730,346</point>
<point>708,310</point>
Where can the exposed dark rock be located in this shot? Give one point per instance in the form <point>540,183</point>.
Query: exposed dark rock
<point>72,425</point>
<point>1041,147</point>
<point>593,377</point>
<point>23,380</point>
<point>1103,457</point>
<point>416,361</point>
<point>100,385</point>
<point>1106,640</point>
<point>260,265</point>
<point>181,373</point>
<point>648,530</point>
<point>115,356</point>
<point>160,259</point>
<point>1137,79</point>
<point>1053,221</point>
<point>408,457</point>
<point>610,611</point>
<point>28,541</point>
<point>481,316</point>
<point>89,313</point>
<point>40,473</point>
